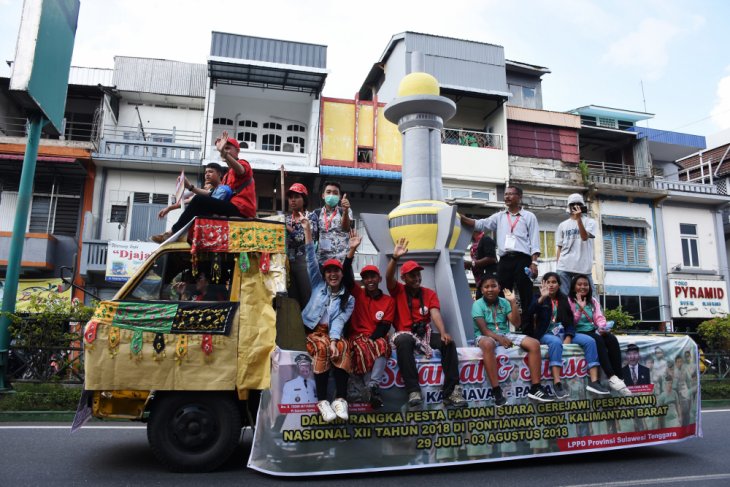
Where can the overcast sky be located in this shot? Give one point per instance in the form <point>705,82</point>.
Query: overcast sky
<point>599,52</point>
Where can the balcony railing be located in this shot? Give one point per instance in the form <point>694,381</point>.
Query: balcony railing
<point>149,144</point>
<point>617,169</point>
<point>93,256</point>
<point>686,187</point>
<point>470,138</point>
<point>72,131</point>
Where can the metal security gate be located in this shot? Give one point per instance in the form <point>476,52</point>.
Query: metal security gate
<point>144,216</point>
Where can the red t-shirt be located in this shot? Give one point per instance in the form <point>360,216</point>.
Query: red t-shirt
<point>369,311</point>
<point>244,200</point>
<point>408,308</point>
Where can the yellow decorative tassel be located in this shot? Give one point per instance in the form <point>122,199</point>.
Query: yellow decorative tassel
<point>115,338</point>
<point>181,348</point>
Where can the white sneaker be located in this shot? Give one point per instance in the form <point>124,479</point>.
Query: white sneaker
<point>340,407</point>
<point>326,411</point>
<point>618,385</point>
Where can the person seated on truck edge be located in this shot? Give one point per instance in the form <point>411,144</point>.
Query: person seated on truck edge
<point>326,314</point>
<point>239,179</point>
<point>334,222</point>
<point>550,320</point>
<point>492,316</point>
<point>417,307</point>
<point>371,321</point>
<point>298,199</point>
<point>588,320</point>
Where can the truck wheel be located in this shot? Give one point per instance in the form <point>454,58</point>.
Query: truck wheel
<point>194,432</point>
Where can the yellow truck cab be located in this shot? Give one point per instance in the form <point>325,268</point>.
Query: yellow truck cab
<point>185,344</point>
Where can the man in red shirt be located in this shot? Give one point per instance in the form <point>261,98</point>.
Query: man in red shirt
<point>370,323</point>
<point>239,178</point>
<point>416,308</point>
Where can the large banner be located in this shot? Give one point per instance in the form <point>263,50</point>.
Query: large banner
<point>125,257</point>
<point>43,288</point>
<point>291,438</point>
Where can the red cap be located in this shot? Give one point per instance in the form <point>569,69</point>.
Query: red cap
<point>298,188</point>
<point>410,266</point>
<point>234,143</point>
<point>332,262</point>
<point>369,268</point>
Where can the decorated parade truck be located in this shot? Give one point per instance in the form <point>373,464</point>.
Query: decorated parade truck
<point>202,341</point>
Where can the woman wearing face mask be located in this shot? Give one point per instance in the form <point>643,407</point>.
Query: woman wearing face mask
<point>333,221</point>
<point>298,198</point>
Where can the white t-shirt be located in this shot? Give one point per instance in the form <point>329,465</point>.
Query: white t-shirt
<point>576,255</point>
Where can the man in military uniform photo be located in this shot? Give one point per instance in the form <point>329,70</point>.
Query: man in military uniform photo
<point>301,389</point>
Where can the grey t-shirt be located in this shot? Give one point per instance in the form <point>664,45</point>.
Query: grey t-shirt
<point>576,255</point>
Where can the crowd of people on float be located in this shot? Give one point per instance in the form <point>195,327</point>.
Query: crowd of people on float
<point>352,329</point>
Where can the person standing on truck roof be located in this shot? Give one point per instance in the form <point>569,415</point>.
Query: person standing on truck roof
<point>518,241</point>
<point>239,179</point>
<point>372,318</point>
<point>328,310</point>
<point>298,198</point>
<point>574,239</point>
<point>417,307</point>
<point>334,223</point>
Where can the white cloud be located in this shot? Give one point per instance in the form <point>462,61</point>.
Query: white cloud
<point>646,49</point>
<point>721,111</point>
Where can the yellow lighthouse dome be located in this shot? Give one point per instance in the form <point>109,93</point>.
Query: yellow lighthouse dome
<point>419,84</point>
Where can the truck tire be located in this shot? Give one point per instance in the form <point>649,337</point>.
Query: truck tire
<point>194,432</point>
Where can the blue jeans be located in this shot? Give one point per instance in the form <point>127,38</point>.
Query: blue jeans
<point>590,351</point>
<point>555,349</point>
<point>567,277</point>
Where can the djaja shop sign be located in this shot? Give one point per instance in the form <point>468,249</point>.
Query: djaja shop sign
<point>698,299</point>
<point>124,258</point>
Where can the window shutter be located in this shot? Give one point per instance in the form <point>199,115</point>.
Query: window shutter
<point>643,258</point>
<point>609,255</point>
<point>630,248</point>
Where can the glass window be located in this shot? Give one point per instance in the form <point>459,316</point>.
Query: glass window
<point>171,278</point>
<point>271,142</point>
<point>631,304</point>
<point>547,245</point>
<point>612,302</point>
<point>690,252</point>
<point>650,308</point>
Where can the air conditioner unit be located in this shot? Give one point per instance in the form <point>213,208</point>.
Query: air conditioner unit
<point>248,145</point>
<point>290,147</point>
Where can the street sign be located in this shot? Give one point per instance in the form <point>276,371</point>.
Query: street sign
<point>39,77</point>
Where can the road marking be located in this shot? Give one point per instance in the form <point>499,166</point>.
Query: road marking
<point>662,481</point>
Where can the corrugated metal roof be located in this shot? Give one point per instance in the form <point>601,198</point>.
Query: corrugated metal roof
<point>90,76</point>
<point>448,47</point>
<point>543,117</point>
<point>268,50</point>
<point>160,76</point>
<point>361,173</point>
<point>667,137</point>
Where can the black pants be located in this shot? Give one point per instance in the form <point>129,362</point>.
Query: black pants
<point>321,380</point>
<point>511,275</point>
<point>405,346</point>
<point>609,353</point>
<point>204,206</point>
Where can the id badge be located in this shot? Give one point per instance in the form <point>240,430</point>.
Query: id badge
<point>558,329</point>
<point>325,244</point>
<point>510,242</point>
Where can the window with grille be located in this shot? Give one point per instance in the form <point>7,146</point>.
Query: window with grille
<point>119,214</point>
<point>547,245</point>
<point>272,126</point>
<point>625,247</point>
<point>690,251</point>
<point>271,142</point>
<point>611,123</point>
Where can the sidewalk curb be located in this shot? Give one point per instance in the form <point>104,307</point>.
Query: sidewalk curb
<point>37,416</point>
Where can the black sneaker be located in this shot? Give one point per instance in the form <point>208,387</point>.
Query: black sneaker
<point>538,393</point>
<point>376,402</point>
<point>499,399</point>
<point>597,388</point>
<point>560,391</point>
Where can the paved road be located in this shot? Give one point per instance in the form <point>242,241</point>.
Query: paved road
<point>118,454</point>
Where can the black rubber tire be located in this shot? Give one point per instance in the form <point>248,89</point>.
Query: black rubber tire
<point>194,432</point>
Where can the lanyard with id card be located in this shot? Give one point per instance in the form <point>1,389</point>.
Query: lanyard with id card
<point>510,241</point>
